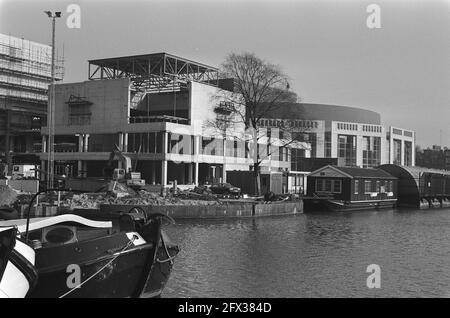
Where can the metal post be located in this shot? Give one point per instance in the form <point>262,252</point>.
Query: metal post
<point>50,114</point>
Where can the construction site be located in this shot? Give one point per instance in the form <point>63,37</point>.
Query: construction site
<point>25,74</point>
<point>136,132</point>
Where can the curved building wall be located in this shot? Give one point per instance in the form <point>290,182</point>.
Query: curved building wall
<point>326,113</point>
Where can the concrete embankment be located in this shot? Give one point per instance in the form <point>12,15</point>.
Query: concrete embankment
<point>235,209</point>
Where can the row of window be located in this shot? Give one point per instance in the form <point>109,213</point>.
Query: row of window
<point>346,126</point>
<point>371,186</point>
<point>329,185</point>
<point>371,128</point>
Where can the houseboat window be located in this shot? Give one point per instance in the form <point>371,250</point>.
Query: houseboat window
<point>319,184</point>
<point>337,186</point>
<point>367,186</point>
<point>356,186</point>
<point>328,185</point>
<point>388,186</point>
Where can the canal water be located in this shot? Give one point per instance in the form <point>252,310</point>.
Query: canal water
<point>313,255</point>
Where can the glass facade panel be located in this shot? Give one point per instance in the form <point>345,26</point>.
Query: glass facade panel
<point>397,152</point>
<point>347,149</point>
<point>371,151</point>
<point>408,153</point>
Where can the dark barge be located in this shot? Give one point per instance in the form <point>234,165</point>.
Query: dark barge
<point>333,188</point>
<point>419,187</point>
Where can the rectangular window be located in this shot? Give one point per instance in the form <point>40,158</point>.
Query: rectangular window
<point>319,185</point>
<point>367,186</point>
<point>337,186</point>
<point>328,185</point>
<point>356,186</point>
<point>377,189</point>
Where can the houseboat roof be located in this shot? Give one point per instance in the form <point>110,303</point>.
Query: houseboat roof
<point>351,172</point>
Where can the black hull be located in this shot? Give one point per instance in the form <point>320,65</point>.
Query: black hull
<point>321,205</point>
<point>109,266</point>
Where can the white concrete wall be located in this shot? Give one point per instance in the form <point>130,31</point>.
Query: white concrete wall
<point>109,109</point>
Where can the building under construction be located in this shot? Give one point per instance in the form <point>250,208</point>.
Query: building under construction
<point>25,74</point>
<point>157,108</point>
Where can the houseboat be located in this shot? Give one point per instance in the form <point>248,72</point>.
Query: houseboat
<point>333,188</point>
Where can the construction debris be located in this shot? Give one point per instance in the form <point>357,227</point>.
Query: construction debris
<point>7,195</point>
<point>94,200</point>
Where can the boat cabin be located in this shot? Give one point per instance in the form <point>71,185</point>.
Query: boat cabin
<point>351,186</point>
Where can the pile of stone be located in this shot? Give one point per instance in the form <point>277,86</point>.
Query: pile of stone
<point>142,197</point>
<point>7,195</point>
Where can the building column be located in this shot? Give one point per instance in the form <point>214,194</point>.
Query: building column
<point>80,168</point>
<point>359,151</point>
<point>164,142</point>
<point>120,141</point>
<point>80,143</point>
<point>164,172</point>
<point>413,150</point>
<point>44,143</point>
<point>153,172</point>
<point>86,143</point>
<point>42,167</point>
<point>196,174</point>
<point>125,142</point>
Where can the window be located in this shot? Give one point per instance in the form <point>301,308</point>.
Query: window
<point>389,186</point>
<point>319,185</point>
<point>356,186</point>
<point>347,149</point>
<point>367,186</point>
<point>377,189</point>
<point>336,186</point>
<point>327,185</point>
<point>371,151</point>
<point>397,151</point>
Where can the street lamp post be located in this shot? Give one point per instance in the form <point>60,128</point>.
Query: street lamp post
<point>51,108</point>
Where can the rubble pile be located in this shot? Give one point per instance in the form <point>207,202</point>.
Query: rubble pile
<point>94,200</point>
<point>7,195</point>
<point>198,193</point>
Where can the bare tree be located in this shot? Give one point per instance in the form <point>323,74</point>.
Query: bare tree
<point>260,89</point>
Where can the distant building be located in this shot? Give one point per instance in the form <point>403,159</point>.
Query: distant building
<point>434,158</point>
<point>352,135</point>
<point>25,73</point>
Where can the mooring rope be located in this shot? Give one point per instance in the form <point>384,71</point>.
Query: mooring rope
<point>102,268</point>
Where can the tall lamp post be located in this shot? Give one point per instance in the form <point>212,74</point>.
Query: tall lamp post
<point>51,108</point>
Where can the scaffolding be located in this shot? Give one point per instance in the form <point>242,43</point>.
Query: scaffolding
<point>25,70</point>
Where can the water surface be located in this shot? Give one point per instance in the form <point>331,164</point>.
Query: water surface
<point>313,255</point>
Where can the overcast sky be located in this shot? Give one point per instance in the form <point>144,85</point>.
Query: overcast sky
<point>401,70</point>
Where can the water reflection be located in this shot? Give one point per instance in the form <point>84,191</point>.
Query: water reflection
<point>313,255</point>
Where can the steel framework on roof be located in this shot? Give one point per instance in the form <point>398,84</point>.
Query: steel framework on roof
<point>153,72</point>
